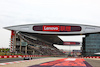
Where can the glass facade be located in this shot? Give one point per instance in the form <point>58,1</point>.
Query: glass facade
<point>92,44</point>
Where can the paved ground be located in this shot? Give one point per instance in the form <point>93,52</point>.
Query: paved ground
<point>52,62</point>
<point>10,60</point>
<point>15,59</point>
<point>30,63</point>
<point>65,62</point>
<point>93,61</point>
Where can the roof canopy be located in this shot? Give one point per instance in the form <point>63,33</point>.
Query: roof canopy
<point>50,31</point>
<point>55,28</point>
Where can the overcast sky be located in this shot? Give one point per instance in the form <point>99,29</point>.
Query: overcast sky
<point>16,12</point>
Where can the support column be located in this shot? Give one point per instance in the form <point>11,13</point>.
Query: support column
<point>33,52</point>
<point>20,45</point>
<point>26,50</point>
<point>15,42</point>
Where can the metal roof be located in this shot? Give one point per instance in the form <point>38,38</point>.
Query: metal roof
<point>29,28</point>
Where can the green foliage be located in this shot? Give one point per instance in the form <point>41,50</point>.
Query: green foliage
<point>7,53</point>
<point>4,49</point>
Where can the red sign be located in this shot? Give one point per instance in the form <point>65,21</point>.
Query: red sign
<point>71,43</point>
<point>65,28</point>
<point>56,28</point>
<point>12,32</point>
<point>12,36</point>
<point>50,28</point>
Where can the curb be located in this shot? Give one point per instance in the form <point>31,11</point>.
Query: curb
<point>92,57</point>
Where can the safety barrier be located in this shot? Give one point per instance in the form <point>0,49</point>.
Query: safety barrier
<point>20,56</point>
<point>92,57</point>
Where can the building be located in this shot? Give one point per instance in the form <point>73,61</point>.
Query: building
<point>40,38</point>
<point>91,44</point>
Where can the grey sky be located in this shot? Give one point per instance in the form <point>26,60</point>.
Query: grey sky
<point>16,12</point>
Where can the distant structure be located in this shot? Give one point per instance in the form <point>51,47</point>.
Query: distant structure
<point>91,44</point>
<point>39,39</point>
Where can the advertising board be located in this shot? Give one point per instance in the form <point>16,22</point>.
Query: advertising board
<point>56,28</point>
<point>71,43</point>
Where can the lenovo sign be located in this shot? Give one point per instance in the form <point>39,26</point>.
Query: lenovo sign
<point>56,28</point>
<point>50,28</point>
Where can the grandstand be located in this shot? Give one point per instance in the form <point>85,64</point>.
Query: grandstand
<point>39,39</point>
<point>31,44</point>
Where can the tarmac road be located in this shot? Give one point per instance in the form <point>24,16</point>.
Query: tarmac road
<point>33,62</point>
<point>93,62</point>
<point>13,59</point>
<point>52,62</point>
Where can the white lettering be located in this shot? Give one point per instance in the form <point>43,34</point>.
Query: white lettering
<point>66,43</point>
<point>50,28</point>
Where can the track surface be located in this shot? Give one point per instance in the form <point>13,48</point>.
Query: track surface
<point>65,62</point>
<point>54,62</point>
<point>93,62</point>
<point>12,59</point>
